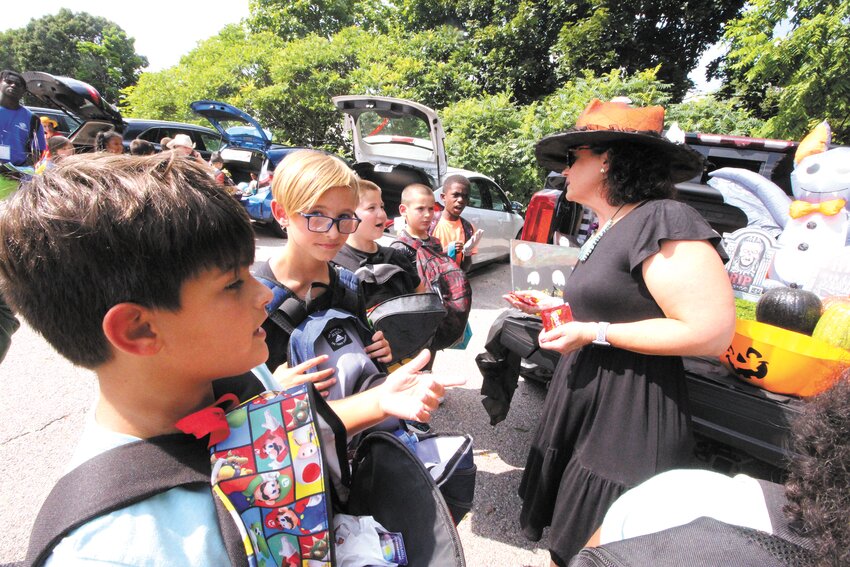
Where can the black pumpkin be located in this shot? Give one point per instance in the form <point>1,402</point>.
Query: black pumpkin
<point>790,308</point>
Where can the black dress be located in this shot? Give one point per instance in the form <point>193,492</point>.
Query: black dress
<point>612,418</point>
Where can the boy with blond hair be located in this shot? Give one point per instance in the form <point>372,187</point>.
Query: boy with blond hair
<point>384,272</point>
<point>138,268</point>
<point>315,197</point>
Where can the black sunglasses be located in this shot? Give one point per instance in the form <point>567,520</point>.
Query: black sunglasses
<point>322,223</point>
<point>571,156</point>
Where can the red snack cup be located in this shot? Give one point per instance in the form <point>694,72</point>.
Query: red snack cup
<point>555,316</point>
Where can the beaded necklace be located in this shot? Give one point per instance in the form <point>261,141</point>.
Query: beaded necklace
<point>590,244</point>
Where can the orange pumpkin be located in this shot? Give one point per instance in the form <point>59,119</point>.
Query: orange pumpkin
<point>783,361</point>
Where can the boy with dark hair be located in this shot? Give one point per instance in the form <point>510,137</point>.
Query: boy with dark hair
<point>138,268</point>
<point>456,234</point>
<point>21,134</point>
<point>139,147</point>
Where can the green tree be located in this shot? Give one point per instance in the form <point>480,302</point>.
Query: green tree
<point>294,19</point>
<point>230,66</point>
<point>529,47</point>
<point>709,114</point>
<point>493,135</point>
<point>79,45</point>
<point>788,61</point>
<point>640,34</point>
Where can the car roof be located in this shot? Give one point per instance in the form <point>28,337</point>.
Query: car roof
<point>151,123</point>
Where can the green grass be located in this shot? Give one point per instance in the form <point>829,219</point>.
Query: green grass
<point>745,310</point>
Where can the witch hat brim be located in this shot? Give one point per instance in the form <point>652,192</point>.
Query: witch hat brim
<point>551,151</point>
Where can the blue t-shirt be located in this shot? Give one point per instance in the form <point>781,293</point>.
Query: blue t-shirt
<point>14,131</point>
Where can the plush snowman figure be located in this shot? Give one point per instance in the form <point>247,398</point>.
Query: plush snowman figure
<point>815,224</point>
<point>817,229</point>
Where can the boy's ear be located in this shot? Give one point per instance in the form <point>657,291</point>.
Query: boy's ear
<point>402,208</point>
<point>280,214</point>
<point>128,328</point>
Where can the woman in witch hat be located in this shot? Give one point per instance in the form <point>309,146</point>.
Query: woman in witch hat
<point>649,288</point>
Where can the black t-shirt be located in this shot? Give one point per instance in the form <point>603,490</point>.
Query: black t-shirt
<point>383,274</point>
<point>277,339</point>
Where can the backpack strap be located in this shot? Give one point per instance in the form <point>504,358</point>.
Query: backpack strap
<point>111,481</point>
<point>467,229</point>
<point>285,310</point>
<point>347,296</point>
<point>35,122</point>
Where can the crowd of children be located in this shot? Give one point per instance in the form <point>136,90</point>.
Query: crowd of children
<point>169,254</point>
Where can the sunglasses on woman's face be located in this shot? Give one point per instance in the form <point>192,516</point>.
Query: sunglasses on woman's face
<point>571,154</point>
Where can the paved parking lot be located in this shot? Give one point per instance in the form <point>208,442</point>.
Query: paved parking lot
<point>46,399</point>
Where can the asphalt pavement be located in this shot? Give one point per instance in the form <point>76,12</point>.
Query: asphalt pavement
<point>46,400</point>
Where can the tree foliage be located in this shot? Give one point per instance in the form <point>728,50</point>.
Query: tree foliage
<point>295,19</point>
<point>528,47</point>
<point>494,135</point>
<point>641,34</point>
<point>79,45</point>
<point>787,62</point>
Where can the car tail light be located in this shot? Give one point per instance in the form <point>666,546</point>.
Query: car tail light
<point>539,215</point>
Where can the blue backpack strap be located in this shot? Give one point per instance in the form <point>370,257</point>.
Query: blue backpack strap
<point>285,310</point>
<point>349,297</point>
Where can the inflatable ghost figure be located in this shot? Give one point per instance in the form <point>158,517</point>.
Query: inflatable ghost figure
<point>815,224</point>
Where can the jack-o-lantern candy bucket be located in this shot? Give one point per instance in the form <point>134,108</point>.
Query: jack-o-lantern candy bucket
<point>783,361</point>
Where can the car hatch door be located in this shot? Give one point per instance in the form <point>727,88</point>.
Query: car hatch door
<point>237,128</point>
<point>393,131</point>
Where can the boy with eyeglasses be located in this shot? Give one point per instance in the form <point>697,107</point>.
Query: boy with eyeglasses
<point>315,197</point>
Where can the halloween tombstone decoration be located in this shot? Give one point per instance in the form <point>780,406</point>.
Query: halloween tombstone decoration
<point>750,253</point>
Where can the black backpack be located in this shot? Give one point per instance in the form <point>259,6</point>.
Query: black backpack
<point>445,278</point>
<point>706,542</point>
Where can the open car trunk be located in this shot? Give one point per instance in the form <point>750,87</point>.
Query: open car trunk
<point>392,179</point>
<point>80,100</point>
<point>396,142</point>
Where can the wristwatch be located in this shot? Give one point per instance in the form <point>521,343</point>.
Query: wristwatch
<point>602,334</point>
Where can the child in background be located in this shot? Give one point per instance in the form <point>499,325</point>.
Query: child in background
<point>457,235</point>
<point>315,197</point>
<point>383,271</point>
<point>158,300</point>
<point>417,209</point>
<point>139,147</point>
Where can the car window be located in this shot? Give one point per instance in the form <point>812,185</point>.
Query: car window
<point>211,143</point>
<point>475,199</point>
<point>500,200</point>
<point>484,194</point>
<point>151,135</point>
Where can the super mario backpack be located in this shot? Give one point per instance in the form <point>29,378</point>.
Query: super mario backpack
<point>279,473</point>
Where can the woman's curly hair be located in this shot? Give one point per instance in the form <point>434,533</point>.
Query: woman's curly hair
<point>818,485</point>
<point>635,173</point>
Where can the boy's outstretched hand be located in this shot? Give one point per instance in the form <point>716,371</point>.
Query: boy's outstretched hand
<point>411,394</point>
<point>289,377</point>
<point>380,348</point>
